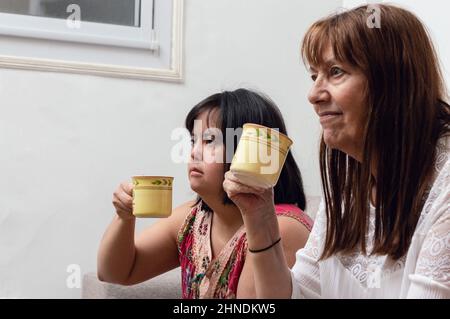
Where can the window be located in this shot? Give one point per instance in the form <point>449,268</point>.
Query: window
<point>135,38</point>
<point>108,22</point>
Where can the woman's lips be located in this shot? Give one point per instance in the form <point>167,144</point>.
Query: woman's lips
<point>326,117</point>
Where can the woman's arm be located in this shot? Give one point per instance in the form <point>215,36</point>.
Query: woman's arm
<point>294,236</point>
<point>271,272</point>
<point>431,279</point>
<point>272,276</point>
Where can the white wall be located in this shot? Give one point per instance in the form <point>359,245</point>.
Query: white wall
<point>68,140</point>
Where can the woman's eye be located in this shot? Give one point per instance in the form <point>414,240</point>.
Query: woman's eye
<point>335,71</point>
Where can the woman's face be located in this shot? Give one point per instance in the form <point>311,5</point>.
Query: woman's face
<point>338,97</point>
<point>206,168</point>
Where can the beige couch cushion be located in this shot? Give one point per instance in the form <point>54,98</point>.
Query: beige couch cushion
<point>166,286</point>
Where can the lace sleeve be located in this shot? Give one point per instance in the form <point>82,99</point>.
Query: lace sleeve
<point>432,276</point>
<point>305,273</point>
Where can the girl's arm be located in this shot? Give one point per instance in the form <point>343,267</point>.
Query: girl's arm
<point>124,260</point>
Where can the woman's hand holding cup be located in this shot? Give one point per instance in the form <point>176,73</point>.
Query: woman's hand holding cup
<point>254,202</point>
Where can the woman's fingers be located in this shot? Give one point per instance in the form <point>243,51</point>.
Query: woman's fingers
<point>234,184</point>
<point>232,189</point>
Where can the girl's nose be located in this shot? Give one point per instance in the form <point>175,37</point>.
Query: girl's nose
<point>197,151</point>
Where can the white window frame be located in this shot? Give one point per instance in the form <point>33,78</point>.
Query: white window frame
<point>89,32</point>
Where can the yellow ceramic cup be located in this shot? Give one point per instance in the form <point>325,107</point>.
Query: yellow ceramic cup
<point>260,156</point>
<point>152,196</point>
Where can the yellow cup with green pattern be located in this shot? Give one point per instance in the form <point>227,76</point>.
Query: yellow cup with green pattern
<point>152,196</point>
<point>260,156</point>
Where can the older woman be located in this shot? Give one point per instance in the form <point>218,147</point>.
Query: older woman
<point>383,228</point>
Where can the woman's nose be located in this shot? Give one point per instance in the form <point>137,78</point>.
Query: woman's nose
<point>318,93</point>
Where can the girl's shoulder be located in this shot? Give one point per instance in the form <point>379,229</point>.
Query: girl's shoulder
<point>187,214</point>
<point>294,212</point>
<point>180,213</point>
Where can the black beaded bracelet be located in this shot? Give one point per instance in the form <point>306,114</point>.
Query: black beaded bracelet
<point>264,249</point>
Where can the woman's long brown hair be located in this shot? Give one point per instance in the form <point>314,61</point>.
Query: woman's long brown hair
<point>407,113</point>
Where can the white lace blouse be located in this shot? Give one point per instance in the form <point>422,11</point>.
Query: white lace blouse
<point>424,272</point>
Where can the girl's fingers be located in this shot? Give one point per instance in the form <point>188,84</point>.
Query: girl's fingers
<point>121,199</point>
<point>124,214</point>
<point>127,188</point>
<point>125,199</point>
<point>119,205</point>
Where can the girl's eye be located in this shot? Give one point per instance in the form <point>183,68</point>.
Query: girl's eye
<point>314,77</point>
<point>209,139</point>
<point>336,71</point>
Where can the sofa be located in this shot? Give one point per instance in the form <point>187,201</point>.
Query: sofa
<point>165,286</point>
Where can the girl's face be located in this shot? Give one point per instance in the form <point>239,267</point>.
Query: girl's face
<point>338,97</point>
<point>206,168</point>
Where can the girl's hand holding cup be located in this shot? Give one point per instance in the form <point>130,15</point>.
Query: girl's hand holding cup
<point>123,200</point>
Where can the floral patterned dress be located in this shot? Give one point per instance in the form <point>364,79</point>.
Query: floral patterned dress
<point>203,277</point>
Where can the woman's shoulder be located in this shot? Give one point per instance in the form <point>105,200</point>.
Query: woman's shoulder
<point>442,153</point>
<point>438,194</point>
<point>441,179</point>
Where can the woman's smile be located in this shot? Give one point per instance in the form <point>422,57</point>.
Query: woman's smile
<point>329,117</point>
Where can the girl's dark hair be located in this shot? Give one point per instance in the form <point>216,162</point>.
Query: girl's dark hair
<point>243,106</point>
<point>407,114</point>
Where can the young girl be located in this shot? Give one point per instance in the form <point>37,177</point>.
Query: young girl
<point>206,237</point>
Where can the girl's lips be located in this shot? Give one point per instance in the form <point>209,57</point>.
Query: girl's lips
<point>195,172</point>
